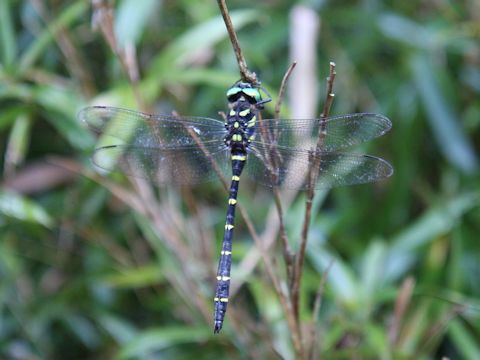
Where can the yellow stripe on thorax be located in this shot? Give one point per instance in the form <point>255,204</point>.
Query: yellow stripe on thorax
<point>244,113</point>
<point>251,122</point>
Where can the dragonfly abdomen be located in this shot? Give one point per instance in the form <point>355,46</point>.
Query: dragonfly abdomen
<point>225,262</point>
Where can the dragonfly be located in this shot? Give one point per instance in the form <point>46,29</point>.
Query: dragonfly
<point>180,150</point>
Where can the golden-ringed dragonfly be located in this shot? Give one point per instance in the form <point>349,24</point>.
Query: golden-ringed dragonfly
<point>168,149</point>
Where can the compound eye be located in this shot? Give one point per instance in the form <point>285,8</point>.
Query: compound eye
<point>253,93</point>
<point>234,93</point>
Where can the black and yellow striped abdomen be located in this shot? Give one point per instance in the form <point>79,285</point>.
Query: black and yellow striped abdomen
<point>241,130</point>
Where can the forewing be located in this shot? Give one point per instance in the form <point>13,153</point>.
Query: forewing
<point>162,148</point>
<point>141,129</point>
<point>339,131</point>
<point>287,168</point>
<point>174,166</point>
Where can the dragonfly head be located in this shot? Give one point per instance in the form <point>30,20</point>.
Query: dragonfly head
<point>249,92</point>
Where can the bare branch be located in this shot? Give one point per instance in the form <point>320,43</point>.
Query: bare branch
<point>311,180</point>
<point>103,18</point>
<point>283,86</point>
<point>245,74</point>
<point>330,95</point>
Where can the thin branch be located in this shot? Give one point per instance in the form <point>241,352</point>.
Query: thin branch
<point>245,74</point>
<point>103,19</point>
<point>74,61</point>
<point>311,180</point>
<point>401,304</point>
<point>330,95</point>
<point>287,251</point>
<point>283,87</point>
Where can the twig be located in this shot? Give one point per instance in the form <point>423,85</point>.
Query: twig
<point>103,19</point>
<point>287,251</point>
<point>330,95</point>
<point>401,303</point>
<point>270,139</point>
<point>311,180</point>
<point>245,74</point>
<point>283,86</point>
<point>74,61</point>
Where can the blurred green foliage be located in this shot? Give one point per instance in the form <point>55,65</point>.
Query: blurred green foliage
<point>85,274</point>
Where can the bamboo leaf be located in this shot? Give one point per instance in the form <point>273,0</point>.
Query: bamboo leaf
<point>21,208</point>
<point>132,18</point>
<point>155,340</point>
<point>18,142</point>
<point>133,278</point>
<point>8,45</point>
<point>433,223</point>
<point>445,124</point>
<point>72,13</point>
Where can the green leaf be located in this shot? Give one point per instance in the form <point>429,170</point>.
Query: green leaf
<point>447,129</point>
<point>341,278</point>
<point>46,37</point>
<point>407,31</point>
<point>60,110</point>
<point>21,208</point>
<point>437,221</point>
<point>373,266</point>
<point>132,18</point>
<point>156,340</point>
<point>433,223</point>
<point>10,114</point>
<point>117,328</point>
<point>202,36</point>
<point>18,141</point>
<point>466,345</point>
<point>137,277</point>
<point>8,44</point>
<point>59,105</point>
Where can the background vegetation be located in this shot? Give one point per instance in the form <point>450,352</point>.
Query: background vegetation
<point>97,268</point>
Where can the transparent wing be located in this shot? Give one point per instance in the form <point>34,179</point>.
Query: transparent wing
<point>141,129</point>
<point>162,148</point>
<point>340,131</point>
<point>288,168</point>
<point>175,166</point>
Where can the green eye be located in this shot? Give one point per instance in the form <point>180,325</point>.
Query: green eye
<point>253,93</point>
<point>233,91</point>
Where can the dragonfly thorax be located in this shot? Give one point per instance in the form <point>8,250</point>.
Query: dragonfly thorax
<point>240,124</point>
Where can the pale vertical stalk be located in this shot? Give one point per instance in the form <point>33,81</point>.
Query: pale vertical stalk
<point>303,101</point>
<point>303,88</point>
